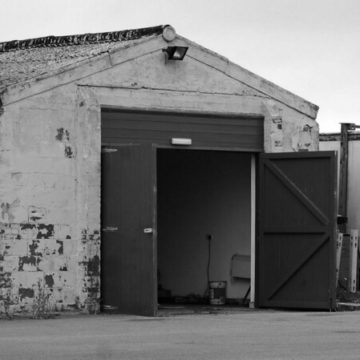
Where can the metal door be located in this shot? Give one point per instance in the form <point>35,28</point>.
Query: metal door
<point>129,229</point>
<point>296,230</point>
<point>204,130</point>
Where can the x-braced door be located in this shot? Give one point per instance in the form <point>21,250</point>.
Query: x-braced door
<point>296,230</point>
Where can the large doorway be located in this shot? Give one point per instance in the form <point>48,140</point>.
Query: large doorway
<point>204,225</point>
<point>175,219</point>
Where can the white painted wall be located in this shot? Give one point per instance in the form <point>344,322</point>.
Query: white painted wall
<point>354,185</point>
<point>202,193</point>
<point>353,178</point>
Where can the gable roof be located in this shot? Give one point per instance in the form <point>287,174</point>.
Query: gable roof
<point>24,63</point>
<point>22,60</point>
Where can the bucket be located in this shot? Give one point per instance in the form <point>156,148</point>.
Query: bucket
<point>217,292</point>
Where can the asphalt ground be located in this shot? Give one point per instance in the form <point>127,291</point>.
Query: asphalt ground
<point>243,335</point>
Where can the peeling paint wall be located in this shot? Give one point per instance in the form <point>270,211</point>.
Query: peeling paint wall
<point>287,130</point>
<point>49,247</point>
<point>34,254</point>
<point>50,149</point>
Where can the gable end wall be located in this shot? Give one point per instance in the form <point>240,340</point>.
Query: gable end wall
<point>50,169</point>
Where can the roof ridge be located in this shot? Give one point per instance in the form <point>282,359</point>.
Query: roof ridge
<point>82,39</point>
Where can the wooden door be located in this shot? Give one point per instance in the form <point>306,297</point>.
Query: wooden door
<point>128,258</point>
<point>296,230</point>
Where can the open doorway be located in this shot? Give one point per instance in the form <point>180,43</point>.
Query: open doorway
<point>204,226</point>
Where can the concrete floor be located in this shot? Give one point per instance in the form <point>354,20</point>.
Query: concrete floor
<point>243,335</point>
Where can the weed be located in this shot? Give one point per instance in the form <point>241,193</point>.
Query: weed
<point>41,306</point>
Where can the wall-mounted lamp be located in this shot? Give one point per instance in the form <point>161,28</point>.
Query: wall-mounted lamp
<point>176,52</point>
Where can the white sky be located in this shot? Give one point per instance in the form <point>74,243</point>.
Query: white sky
<point>309,47</point>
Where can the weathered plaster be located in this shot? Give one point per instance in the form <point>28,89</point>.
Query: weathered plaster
<point>287,130</point>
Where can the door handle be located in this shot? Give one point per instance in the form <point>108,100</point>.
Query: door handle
<point>110,228</point>
<point>148,231</point>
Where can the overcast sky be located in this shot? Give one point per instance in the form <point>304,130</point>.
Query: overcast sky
<point>309,47</point>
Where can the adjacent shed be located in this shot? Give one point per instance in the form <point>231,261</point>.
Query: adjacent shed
<point>128,177</point>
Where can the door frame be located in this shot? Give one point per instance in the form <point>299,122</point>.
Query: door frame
<point>252,209</point>
<point>253,231</point>
<point>253,206</point>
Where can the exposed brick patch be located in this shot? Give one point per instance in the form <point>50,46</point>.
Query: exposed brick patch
<point>33,248</point>
<point>61,247</point>
<point>33,254</point>
<point>27,226</point>
<point>5,280</point>
<point>26,292</point>
<point>46,231</point>
<point>49,280</point>
<point>90,265</point>
<point>29,263</point>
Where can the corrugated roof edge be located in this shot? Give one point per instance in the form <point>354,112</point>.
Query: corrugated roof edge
<point>90,38</point>
<point>337,136</point>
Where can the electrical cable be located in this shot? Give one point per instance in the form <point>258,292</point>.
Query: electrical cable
<point>206,293</point>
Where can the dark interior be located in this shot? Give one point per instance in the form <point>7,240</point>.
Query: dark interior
<point>204,210</point>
